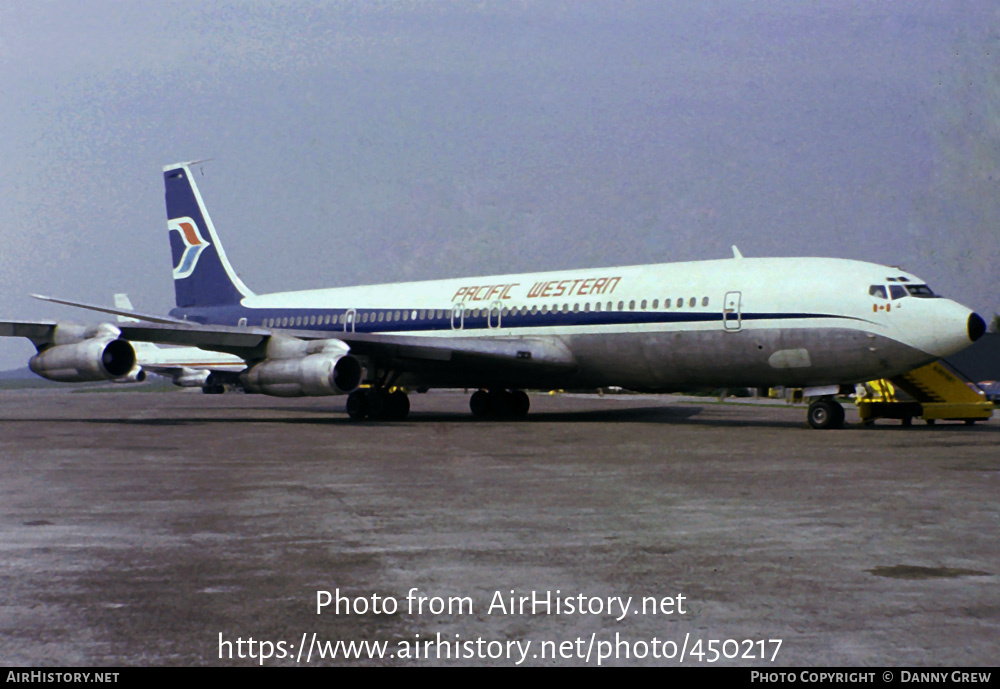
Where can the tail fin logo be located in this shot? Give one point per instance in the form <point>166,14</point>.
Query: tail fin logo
<point>194,244</point>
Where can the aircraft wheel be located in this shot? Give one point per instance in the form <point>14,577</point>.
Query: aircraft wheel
<point>907,421</point>
<point>479,403</point>
<point>500,404</point>
<point>357,405</point>
<point>397,405</point>
<point>519,403</point>
<point>378,404</point>
<point>826,413</point>
<point>214,389</point>
<point>930,422</point>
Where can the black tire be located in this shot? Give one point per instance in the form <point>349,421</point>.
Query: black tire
<point>519,403</point>
<point>479,403</point>
<point>826,413</point>
<point>397,406</point>
<point>357,405</point>
<point>501,404</point>
<point>378,404</point>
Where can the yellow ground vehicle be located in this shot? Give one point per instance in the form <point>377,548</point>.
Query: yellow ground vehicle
<point>933,392</point>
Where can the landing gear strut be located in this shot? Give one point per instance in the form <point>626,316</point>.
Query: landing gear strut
<point>499,404</point>
<point>826,413</point>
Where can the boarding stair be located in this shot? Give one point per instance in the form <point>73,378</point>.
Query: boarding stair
<point>934,392</point>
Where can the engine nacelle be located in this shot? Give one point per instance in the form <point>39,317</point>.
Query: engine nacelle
<point>98,358</point>
<point>307,376</point>
<point>192,377</point>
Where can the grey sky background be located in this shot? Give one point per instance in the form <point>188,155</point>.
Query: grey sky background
<point>359,142</point>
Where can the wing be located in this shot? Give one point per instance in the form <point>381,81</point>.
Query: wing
<point>404,353</point>
<point>127,313</point>
<point>452,360</point>
<point>36,331</point>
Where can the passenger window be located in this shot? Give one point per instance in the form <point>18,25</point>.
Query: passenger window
<point>643,305</point>
<point>877,291</point>
<point>704,301</point>
<point>680,303</point>
<point>666,303</point>
<point>692,302</point>
<point>897,291</point>
<point>597,306</point>
<point>656,304</point>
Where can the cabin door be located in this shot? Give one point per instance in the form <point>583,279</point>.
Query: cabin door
<point>732,316</point>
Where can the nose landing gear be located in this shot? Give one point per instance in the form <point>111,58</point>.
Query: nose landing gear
<point>826,413</point>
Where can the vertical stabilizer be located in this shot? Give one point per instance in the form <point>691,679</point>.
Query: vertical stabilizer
<point>202,273</point>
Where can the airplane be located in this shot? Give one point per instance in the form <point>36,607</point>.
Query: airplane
<point>822,324</point>
<point>187,367</point>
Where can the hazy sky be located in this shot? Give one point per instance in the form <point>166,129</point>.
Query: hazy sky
<point>358,142</point>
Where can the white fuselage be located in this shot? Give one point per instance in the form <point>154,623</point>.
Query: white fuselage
<point>741,321</point>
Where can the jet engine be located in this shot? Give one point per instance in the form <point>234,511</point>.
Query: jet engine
<point>80,354</point>
<point>192,377</point>
<point>316,374</point>
<point>297,368</point>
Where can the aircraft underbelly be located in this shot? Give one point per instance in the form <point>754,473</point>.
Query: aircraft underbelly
<point>762,357</point>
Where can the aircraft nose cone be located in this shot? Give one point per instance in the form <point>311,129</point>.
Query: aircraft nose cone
<point>977,326</point>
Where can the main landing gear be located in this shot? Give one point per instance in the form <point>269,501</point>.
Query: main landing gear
<point>826,412</point>
<point>499,404</point>
<point>378,404</point>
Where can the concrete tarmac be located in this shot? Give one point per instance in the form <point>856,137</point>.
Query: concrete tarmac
<point>171,528</point>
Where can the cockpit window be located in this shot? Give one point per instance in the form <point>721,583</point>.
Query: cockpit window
<point>922,291</point>
<point>897,291</point>
<point>877,291</point>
